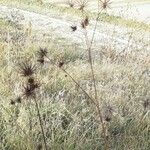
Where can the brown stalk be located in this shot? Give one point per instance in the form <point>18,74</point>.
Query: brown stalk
<point>41,123</point>
<point>89,49</point>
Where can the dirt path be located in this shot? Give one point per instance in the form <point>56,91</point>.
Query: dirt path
<point>106,33</point>
<point>138,10</point>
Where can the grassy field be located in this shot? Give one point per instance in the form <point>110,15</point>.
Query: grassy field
<point>46,8</point>
<point>49,99</point>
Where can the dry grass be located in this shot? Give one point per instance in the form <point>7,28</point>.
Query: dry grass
<point>67,113</point>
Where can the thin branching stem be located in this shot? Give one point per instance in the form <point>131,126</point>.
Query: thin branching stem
<point>89,49</point>
<point>41,123</point>
<point>62,69</point>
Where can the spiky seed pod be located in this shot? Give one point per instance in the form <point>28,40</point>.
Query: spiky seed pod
<point>108,118</point>
<point>108,113</point>
<point>12,102</point>
<point>39,146</point>
<point>27,69</point>
<point>60,64</point>
<point>85,22</point>
<point>146,104</point>
<point>32,83</point>
<point>105,4</point>
<point>42,52</point>
<point>82,4</point>
<point>70,3</point>
<point>41,61</point>
<point>74,28</point>
<point>29,91</point>
<point>18,99</point>
<point>35,86</point>
<point>31,80</point>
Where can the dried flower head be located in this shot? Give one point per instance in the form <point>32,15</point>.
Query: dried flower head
<point>32,83</point>
<point>39,146</point>
<point>105,4</point>
<point>74,28</point>
<point>31,80</point>
<point>12,102</point>
<point>82,4</point>
<point>29,92</point>
<point>42,52</point>
<point>18,99</point>
<point>85,22</point>
<point>61,63</point>
<point>70,3</point>
<point>41,60</point>
<point>108,113</point>
<point>146,104</point>
<point>27,69</point>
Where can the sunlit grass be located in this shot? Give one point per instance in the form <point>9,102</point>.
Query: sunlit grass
<point>69,117</point>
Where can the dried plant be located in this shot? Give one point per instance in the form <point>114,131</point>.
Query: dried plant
<point>105,4</point>
<point>12,102</point>
<point>28,92</point>
<point>61,63</point>
<point>18,99</point>
<point>85,22</point>
<point>70,3</point>
<point>27,69</point>
<point>146,104</point>
<point>74,28</point>
<point>42,53</point>
<point>108,113</point>
<point>82,4</point>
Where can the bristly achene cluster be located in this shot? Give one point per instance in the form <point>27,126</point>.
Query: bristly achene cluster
<point>42,53</point>
<point>28,70</point>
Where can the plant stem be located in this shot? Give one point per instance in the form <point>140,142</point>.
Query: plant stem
<point>41,123</point>
<point>89,49</point>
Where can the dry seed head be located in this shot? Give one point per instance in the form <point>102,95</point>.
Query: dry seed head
<point>12,102</point>
<point>41,61</point>
<point>74,28</point>
<point>27,69</point>
<point>61,63</point>
<point>39,146</point>
<point>108,113</point>
<point>31,80</point>
<point>85,22</point>
<point>105,4</point>
<point>146,104</point>
<point>29,90</point>
<point>18,99</point>
<point>82,4</point>
<point>42,52</point>
<point>70,3</point>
